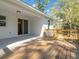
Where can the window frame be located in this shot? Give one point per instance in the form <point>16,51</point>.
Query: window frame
<point>2,21</point>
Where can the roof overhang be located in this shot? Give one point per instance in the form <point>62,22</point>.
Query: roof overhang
<point>27,7</point>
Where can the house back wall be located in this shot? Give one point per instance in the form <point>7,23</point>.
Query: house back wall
<point>11,28</point>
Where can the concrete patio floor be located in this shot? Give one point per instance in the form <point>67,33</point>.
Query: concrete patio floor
<point>45,49</point>
<point>8,41</point>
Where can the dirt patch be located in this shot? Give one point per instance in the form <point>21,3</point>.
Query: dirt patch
<point>43,49</point>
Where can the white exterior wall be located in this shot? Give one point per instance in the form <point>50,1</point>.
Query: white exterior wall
<point>11,28</point>
<point>38,25</point>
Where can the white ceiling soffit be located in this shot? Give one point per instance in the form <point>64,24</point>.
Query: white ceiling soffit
<point>25,7</point>
<point>6,5</point>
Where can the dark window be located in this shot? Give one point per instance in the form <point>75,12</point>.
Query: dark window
<point>2,20</point>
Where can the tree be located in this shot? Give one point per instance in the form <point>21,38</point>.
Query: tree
<point>68,10</point>
<point>41,4</point>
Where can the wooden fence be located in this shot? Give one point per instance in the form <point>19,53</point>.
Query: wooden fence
<point>62,33</point>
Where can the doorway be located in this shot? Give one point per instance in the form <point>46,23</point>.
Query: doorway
<point>19,26</point>
<point>25,26</point>
<point>22,26</point>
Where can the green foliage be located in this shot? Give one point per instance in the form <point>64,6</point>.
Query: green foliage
<point>41,5</point>
<point>68,10</point>
<point>46,2</point>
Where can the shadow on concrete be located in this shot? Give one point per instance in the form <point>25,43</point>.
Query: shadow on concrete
<point>42,49</point>
<point>8,41</point>
<point>5,52</point>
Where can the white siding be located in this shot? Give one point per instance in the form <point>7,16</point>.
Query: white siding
<point>38,25</point>
<point>11,28</point>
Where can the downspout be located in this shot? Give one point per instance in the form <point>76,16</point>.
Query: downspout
<point>48,24</point>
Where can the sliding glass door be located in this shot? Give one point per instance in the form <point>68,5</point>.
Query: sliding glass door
<point>22,26</point>
<point>25,26</point>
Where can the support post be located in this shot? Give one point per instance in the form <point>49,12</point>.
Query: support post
<point>48,24</point>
